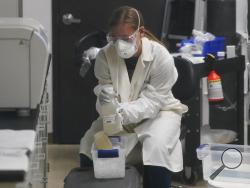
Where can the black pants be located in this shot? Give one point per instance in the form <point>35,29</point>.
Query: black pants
<point>153,176</point>
<point>85,161</point>
<point>156,177</point>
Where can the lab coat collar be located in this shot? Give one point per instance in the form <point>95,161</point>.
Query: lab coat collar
<point>146,55</point>
<point>141,69</point>
<point>118,72</point>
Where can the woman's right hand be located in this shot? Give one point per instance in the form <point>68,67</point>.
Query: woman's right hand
<point>106,95</point>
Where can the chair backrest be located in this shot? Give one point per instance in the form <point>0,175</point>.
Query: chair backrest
<point>186,84</point>
<point>92,39</point>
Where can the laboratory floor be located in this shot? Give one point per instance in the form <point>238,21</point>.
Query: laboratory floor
<point>62,158</point>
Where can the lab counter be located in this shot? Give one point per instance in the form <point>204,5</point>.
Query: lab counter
<point>34,128</point>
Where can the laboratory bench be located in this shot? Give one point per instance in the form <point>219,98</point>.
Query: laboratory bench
<point>36,174</point>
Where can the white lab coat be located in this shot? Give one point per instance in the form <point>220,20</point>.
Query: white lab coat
<point>148,99</point>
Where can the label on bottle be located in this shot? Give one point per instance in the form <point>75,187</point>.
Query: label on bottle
<point>215,90</point>
<point>109,119</point>
<point>111,123</point>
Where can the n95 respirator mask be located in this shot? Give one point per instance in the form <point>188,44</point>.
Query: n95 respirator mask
<point>125,49</point>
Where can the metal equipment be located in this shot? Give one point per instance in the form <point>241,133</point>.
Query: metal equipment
<point>24,52</point>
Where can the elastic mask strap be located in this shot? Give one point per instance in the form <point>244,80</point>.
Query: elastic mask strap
<point>139,20</point>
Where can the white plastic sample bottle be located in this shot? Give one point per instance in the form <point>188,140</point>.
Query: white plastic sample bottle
<point>111,122</point>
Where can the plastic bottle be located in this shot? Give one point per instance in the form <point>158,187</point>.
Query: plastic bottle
<point>111,122</point>
<point>215,93</point>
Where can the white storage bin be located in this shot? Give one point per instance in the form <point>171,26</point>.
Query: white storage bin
<point>216,184</point>
<point>112,167</point>
<point>211,155</point>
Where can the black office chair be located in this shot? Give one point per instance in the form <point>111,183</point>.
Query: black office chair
<point>185,86</point>
<point>185,90</point>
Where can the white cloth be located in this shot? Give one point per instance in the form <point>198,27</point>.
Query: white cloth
<point>17,139</point>
<point>221,136</point>
<point>14,145</point>
<point>13,159</point>
<point>149,103</point>
<point>91,53</point>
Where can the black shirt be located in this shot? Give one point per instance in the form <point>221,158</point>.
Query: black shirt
<point>130,64</point>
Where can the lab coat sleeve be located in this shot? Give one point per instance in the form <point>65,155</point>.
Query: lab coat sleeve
<point>102,73</point>
<point>101,69</point>
<point>156,93</point>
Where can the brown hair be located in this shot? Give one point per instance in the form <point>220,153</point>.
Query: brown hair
<point>126,14</point>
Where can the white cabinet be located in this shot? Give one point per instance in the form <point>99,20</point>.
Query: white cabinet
<point>11,8</point>
<point>24,52</point>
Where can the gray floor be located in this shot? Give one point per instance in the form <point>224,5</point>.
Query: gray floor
<point>62,158</point>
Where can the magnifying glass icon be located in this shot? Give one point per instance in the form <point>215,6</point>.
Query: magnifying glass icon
<point>231,158</point>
